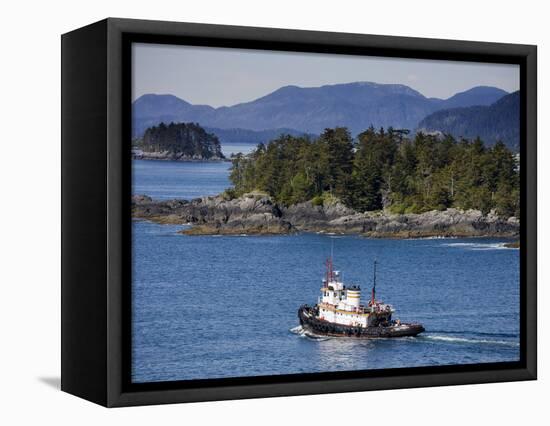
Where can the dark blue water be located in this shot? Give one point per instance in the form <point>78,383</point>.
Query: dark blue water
<point>164,180</point>
<point>216,306</point>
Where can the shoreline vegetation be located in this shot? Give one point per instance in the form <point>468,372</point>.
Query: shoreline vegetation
<point>381,184</point>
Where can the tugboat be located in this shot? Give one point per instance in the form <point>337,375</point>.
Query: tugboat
<point>339,312</point>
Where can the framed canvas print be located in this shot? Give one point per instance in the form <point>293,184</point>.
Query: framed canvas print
<point>253,212</point>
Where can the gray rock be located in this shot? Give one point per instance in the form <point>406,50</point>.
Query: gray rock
<point>257,213</point>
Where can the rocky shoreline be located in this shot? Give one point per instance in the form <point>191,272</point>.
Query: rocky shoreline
<point>258,214</point>
<point>173,156</point>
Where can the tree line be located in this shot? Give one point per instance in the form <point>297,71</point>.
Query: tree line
<point>189,139</point>
<point>382,169</point>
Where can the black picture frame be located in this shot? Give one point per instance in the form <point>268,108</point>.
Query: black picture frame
<point>96,261</point>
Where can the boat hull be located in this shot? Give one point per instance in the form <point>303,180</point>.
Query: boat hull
<point>310,322</point>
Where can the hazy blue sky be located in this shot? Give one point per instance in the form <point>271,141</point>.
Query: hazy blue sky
<point>220,76</point>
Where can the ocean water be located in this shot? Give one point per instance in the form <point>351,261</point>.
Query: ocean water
<point>226,306</point>
<point>163,180</point>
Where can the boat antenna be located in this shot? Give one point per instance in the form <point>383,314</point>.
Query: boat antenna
<point>373,284</point>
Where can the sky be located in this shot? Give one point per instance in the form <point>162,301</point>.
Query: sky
<point>225,77</point>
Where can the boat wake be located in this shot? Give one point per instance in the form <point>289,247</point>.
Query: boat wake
<point>299,330</point>
<point>476,333</point>
<point>464,340</point>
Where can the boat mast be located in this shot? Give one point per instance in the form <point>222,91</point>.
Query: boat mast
<point>373,285</point>
<point>330,272</point>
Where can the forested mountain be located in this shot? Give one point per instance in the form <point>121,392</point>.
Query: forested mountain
<point>480,95</point>
<point>382,170</point>
<point>151,110</point>
<point>312,109</point>
<point>179,141</point>
<point>499,121</point>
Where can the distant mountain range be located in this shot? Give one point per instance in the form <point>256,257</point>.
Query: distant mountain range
<point>498,121</point>
<point>253,136</point>
<point>299,110</point>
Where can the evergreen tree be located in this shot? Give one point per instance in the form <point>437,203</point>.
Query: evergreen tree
<point>384,170</point>
<point>339,147</point>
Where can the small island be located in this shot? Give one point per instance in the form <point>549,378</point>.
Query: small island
<point>383,184</point>
<point>177,142</point>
